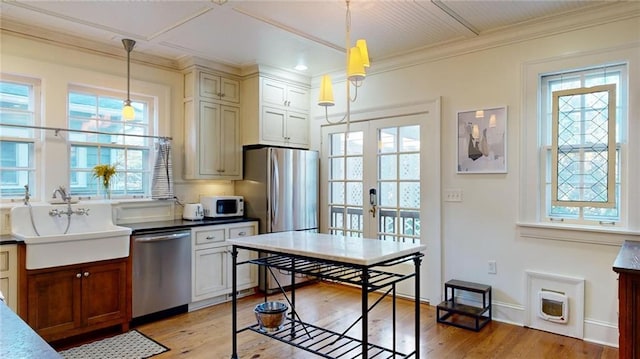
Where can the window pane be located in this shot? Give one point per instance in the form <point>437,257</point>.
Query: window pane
<point>337,168</point>
<point>119,143</point>
<point>388,196</point>
<point>388,140</point>
<point>17,157</point>
<point>387,167</point>
<point>582,162</point>
<point>409,138</point>
<point>354,168</point>
<point>354,143</point>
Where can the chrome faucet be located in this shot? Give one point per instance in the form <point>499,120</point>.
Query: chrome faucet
<point>26,195</point>
<point>63,194</point>
<point>67,198</point>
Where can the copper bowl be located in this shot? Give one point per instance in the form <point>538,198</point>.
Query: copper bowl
<point>270,315</point>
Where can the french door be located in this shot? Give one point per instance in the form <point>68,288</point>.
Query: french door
<point>381,179</point>
<point>374,180</point>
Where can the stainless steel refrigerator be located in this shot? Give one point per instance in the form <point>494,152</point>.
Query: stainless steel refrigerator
<point>280,188</point>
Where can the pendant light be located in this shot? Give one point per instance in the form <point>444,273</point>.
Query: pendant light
<point>357,59</point>
<point>128,113</point>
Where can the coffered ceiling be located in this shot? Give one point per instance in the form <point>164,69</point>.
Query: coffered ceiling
<point>281,34</point>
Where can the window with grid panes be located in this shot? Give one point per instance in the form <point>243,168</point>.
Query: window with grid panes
<point>98,110</point>
<point>19,105</point>
<point>582,143</point>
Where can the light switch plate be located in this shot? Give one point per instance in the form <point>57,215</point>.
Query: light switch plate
<point>453,195</point>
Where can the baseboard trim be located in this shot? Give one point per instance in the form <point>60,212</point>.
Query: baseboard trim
<point>595,331</point>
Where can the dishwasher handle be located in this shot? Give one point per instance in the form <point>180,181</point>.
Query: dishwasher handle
<point>162,237</point>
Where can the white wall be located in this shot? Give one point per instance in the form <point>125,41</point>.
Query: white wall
<point>483,74</point>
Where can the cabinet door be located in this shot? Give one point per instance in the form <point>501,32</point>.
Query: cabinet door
<point>297,129</point>
<point>9,275</point>
<point>298,98</point>
<point>247,274</point>
<point>104,289</point>
<point>210,273</point>
<point>54,301</point>
<point>209,85</point>
<point>229,90</point>
<point>209,157</point>
<point>274,92</point>
<point>229,139</point>
<point>219,141</point>
<point>273,122</point>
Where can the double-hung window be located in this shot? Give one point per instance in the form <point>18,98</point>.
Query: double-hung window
<point>583,131</point>
<point>20,106</point>
<point>108,139</point>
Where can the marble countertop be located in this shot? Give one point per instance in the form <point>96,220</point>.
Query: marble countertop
<point>628,258</point>
<point>352,250</point>
<point>18,340</point>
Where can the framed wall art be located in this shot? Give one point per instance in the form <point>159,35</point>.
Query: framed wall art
<point>482,141</point>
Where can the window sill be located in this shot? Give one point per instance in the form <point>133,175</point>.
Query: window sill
<point>582,234</point>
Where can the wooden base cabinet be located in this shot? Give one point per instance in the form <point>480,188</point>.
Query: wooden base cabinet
<point>629,316</point>
<point>628,269</point>
<point>66,301</point>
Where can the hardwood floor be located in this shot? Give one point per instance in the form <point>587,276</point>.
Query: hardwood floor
<point>206,333</point>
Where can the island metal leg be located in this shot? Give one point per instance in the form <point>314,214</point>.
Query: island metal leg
<point>234,304</point>
<point>416,262</point>
<point>365,313</point>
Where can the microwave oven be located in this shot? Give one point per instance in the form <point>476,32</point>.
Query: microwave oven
<point>223,206</point>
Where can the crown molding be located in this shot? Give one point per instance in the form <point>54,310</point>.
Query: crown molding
<point>549,26</point>
<point>35,33</point>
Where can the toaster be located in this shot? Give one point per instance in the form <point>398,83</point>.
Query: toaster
<point>193,211</point>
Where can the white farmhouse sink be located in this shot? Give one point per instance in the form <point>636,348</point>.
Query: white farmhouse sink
<point>90,238</point>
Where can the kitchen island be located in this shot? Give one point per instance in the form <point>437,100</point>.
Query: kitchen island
<point>356,261</point>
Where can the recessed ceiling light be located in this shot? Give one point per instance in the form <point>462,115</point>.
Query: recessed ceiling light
<point>301,67</point>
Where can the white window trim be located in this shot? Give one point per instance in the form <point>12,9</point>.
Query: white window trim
<point>530,224</point>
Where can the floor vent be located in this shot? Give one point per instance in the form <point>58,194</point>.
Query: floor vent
<point>555,303</point>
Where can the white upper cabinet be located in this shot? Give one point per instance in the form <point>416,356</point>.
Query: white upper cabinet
<point>275,112</point>
<point>219,88</point>
<point>212,126</point>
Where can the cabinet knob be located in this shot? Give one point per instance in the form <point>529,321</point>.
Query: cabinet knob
<point>78,275</point>
<point>243,233</point>
<point>210,237</point>
<point>86,274</point>
<point>221,95</point>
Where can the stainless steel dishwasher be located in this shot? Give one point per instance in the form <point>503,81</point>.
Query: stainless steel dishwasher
<point>161,272</point>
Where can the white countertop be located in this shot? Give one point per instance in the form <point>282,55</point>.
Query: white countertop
<point>352,250</point>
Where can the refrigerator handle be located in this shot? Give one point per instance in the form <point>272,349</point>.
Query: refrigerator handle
<point>275,186</point>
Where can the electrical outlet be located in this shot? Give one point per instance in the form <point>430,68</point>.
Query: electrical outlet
<point>453,195</point>
<point>492,269</point>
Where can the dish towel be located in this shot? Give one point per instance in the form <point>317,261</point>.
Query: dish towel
<point>162,182</point>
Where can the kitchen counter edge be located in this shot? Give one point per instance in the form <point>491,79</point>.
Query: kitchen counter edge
<point>136,228</point>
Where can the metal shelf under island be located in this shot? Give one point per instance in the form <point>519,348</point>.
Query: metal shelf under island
<point>351,260</point>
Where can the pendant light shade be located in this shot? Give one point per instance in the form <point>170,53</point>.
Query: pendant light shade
<point>356,59</point>
<point>355,72</point>
<point>326,92</point>
<point>364,52</point>
<point>128,112</point>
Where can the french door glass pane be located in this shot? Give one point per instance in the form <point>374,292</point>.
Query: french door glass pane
<point>345,183</point>
<point>354,168</point>
<point>388,167</point>
<point>399,183</point>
